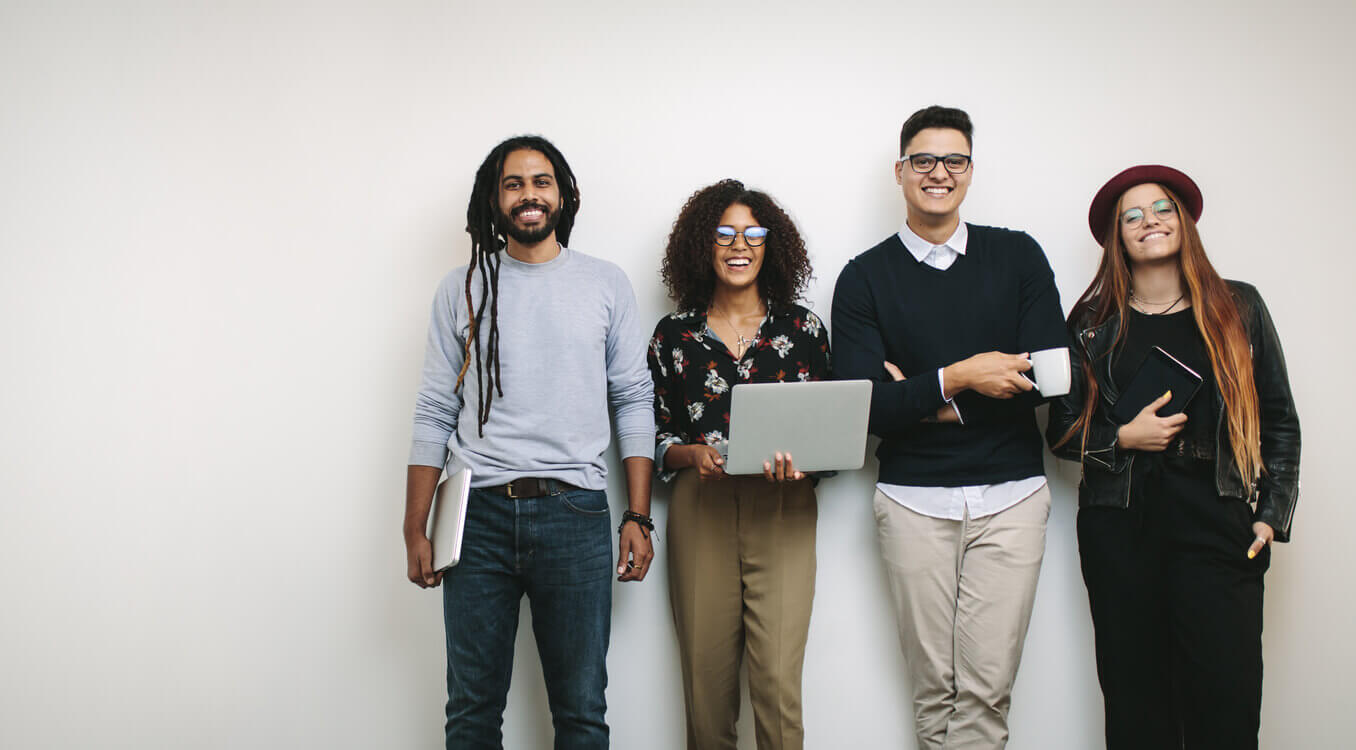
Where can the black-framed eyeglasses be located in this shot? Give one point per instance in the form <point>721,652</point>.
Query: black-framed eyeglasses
<point>925,163</point>
<point>753,236</point>
<point>1163,209</point>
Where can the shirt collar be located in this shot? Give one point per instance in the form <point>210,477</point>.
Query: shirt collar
<point>920,248</point>
<point>697,318</point>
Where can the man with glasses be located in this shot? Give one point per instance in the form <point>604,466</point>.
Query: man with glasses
<point>528,346</point>
<point>942,315</point>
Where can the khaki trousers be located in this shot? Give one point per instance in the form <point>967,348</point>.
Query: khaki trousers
<point>963,592</point>
<point>741,556</point>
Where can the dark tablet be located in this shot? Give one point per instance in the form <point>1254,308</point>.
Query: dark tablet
<point>1160,372</point>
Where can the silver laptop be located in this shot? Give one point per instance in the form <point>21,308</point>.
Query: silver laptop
<point>821,424</point>
<point>447,519</point>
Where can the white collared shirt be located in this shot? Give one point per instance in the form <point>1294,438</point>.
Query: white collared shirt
<point>954,503</point>
<point>940,256</point>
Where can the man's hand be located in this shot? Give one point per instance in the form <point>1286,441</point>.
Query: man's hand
<point>1150,432</point>
<point>636,553</point>
<point>419,562</point>
<point>992,374</point>
<point>945,415</point>
<point>635,547</point>
<point>420,484</point>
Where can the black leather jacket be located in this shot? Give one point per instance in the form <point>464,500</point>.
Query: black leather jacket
<point>1106,467</point>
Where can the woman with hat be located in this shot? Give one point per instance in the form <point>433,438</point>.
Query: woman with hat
<point>1179,502</point>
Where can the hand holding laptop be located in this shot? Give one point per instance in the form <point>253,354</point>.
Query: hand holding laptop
<point>706,459</point>
<point>783,470</point>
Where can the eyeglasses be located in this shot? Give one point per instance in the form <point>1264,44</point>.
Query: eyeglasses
<point>1163,209</point>
<point>925,163</point>
<point>753,236</point>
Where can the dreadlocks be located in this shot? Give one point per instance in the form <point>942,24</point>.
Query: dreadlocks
<point>488,237</point>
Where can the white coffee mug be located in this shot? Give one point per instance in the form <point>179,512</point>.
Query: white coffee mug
<point>1051,368</point>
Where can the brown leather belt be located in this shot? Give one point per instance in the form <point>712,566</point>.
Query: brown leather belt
<point>530,487</point>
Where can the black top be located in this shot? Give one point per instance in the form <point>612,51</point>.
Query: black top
<point>693,370</point>
<point>1177,334</point>
<point>999,296</point>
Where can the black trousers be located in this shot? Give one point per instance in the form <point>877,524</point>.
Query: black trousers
<point>1177,611</point>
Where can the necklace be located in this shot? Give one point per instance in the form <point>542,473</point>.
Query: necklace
<point>1164,311</point>
<point>744,342</point>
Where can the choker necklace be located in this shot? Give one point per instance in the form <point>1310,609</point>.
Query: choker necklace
<point>1164,311</point>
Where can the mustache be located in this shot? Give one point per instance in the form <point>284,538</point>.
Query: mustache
<point>517,210</point>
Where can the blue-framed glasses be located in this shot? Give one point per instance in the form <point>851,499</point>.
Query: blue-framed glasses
<point>753,236</point>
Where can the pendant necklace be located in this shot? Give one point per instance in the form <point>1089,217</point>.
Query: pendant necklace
<point>744,343</point>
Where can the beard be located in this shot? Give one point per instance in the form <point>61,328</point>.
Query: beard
<point>526,236</point>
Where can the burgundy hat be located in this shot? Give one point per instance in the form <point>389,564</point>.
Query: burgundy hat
<point>1104,203</point>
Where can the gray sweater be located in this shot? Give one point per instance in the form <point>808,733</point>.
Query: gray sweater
<point>570,344</point>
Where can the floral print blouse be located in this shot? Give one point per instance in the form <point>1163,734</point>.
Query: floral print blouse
<point>693,371</point>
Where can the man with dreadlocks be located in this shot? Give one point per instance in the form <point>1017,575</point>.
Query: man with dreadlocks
<point>539,339</point>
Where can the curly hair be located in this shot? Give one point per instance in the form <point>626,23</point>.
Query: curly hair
<point>687,269</point>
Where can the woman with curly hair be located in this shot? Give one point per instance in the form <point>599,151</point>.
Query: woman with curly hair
<point>741,549</point>
<point>1180,499</point>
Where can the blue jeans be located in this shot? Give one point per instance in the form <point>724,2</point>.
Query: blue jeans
<point>557,549</point>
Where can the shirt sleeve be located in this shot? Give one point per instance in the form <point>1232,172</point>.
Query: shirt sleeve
<point>941,383</point>
<point>629,389</point>
<point>1095,442</point>
<point>1041,319</point>
<point>437,404</point>
<point>1278,487</point>
<point>821,361</point>
<point>1040,326</point>
<point>671,422</point>
<point>897,407</point>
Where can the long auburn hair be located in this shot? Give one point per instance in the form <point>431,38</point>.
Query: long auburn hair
<point>1216,310</point>
<point>487,239</point>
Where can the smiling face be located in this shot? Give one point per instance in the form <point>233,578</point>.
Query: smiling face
<point>529,198</point>
<point>1155,238</point>
<point>737,265</point>
<point>934,197</point>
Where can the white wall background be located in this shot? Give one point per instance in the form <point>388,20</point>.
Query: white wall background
<point>221,225</point>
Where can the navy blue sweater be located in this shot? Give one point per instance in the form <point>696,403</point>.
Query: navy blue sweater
<point>999,296</point>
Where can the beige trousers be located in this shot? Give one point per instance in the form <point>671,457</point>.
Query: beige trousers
<point>741,556</point>
<point>963,592</point>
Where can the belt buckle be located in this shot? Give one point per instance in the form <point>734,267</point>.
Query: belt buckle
<point>508,490</point>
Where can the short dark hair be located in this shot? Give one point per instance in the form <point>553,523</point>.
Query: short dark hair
<point>936,116</point>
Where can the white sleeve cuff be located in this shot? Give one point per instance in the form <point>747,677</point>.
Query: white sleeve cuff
<point>941,383</point>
